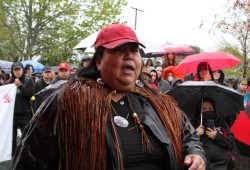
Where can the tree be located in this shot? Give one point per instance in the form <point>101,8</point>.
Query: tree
<point>49,29</point>
<point>233,27</point>
<point>237,70</point>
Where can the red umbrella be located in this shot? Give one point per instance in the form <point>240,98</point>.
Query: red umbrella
<point>177,49</point>
<point>241,127</point>
<point>216,60</point>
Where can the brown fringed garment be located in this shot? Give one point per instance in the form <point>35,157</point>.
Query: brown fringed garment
<point>83,110</point>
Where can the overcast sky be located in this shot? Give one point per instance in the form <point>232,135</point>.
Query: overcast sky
<point>175,21</point>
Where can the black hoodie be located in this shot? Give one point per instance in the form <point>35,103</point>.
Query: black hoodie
<point>222,78</point>
<point>24,92</point>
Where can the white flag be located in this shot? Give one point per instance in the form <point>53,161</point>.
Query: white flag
<point>7,102</point>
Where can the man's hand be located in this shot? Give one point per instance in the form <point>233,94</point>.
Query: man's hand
<point>195,162</point>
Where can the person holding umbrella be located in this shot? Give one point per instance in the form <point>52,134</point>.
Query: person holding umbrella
<point>204,72</point>
<point>215,135</point>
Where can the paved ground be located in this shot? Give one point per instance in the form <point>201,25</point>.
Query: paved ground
<point>5,165</point>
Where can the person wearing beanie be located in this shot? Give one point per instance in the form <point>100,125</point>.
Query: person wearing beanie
<point>22,109</point>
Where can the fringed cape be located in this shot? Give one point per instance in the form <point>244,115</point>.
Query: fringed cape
<point>84,108</point>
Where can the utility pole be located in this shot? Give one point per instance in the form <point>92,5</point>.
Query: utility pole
<point>136,9</point>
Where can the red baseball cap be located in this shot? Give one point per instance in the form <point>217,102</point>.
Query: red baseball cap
<point>115,35</point>
<point>63,66</point>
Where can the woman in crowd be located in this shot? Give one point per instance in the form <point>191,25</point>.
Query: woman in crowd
<point>162,84</point>
<point>219,77</point>
<point>242,89</point>
<point>204,72</point>
<point>149,63</point>
<point>109,119</point>
<point>154,81</point>
<point>169,60</point>
<point>28,70</point>
<point>215,134</point>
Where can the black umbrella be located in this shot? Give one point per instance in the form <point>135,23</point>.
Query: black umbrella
<point>189,93</point>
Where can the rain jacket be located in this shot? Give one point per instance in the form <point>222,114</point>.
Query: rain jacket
<point>23,95</point>
<point>39,147</point>
<point>163,85</point>
<point>217,149</point>
<point>174,81</point>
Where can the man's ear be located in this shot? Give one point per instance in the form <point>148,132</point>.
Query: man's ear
<point>98,62</point>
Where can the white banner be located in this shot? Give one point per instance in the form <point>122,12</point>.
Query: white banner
<point>7,102</point>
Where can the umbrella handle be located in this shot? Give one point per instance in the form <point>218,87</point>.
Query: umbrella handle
<point>201,107</point>
<point>201,118</point>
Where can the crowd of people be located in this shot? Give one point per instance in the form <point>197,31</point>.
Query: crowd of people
<point>113,113</point>
<point>218,144</point>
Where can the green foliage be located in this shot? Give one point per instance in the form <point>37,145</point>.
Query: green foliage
<point>49,29</point>
<point>233,27</point>
<point>237,70</point>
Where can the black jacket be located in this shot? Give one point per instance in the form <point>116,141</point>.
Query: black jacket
<point>39,147</point>
<point>24,93</point>
<point>55,80</point>
<point>39,85</point>
<point>217,148</point>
